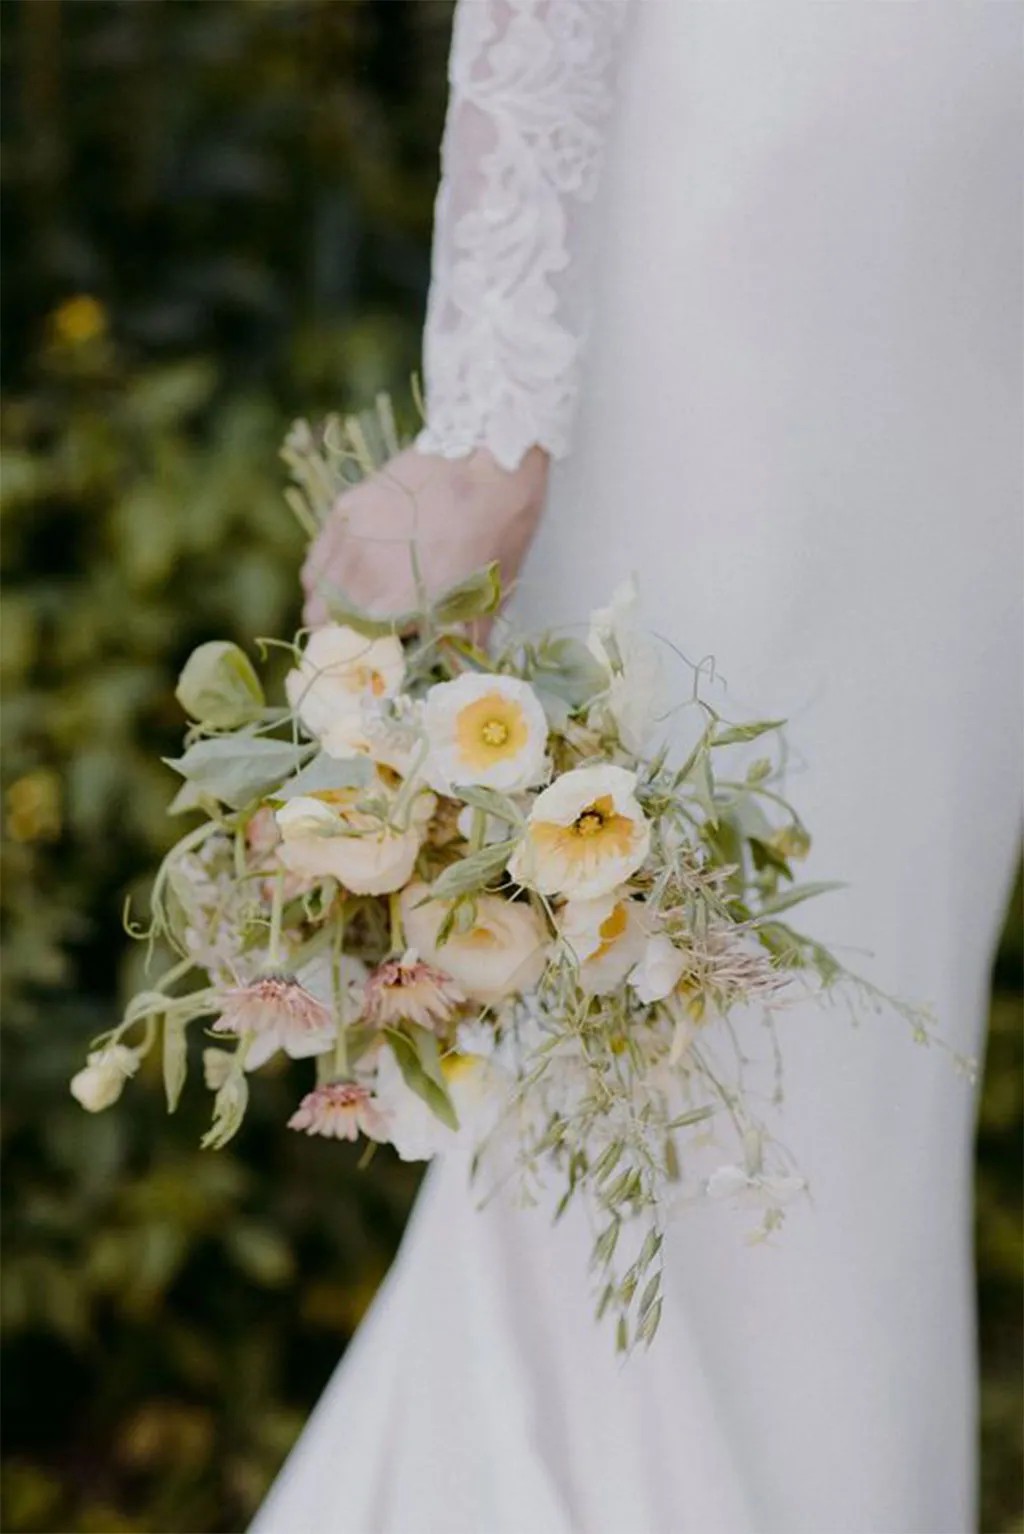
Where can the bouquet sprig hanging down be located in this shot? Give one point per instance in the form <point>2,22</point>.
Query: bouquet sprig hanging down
<point>473,891</point>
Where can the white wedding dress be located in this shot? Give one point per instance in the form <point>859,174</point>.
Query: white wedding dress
<point>795,227</point>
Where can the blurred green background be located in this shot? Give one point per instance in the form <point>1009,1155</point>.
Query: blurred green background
<point>216,217</point>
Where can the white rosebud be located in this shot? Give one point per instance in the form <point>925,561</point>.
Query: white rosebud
<point>217,1064</point>
<point>657,974</point>
<point>100,1083</point>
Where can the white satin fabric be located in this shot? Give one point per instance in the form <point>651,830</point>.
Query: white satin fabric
<point>801,428</point>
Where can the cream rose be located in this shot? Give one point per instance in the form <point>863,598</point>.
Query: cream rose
<point>606,936</point>
<point>503,952</point>
<point>338,669</point>
<point>100,1083</point>
<point>586,834</point>
<point>327,834</point>
<point>486,730</point>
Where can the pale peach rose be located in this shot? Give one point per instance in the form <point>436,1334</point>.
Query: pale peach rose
<point>504,952</point>
<point>586,834</point>
<point>327,834</point>
<point>338,669</point>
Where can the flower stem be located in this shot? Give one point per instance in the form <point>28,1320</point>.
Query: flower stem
<point>341,1038</point>
<point>276,913</point>
<point>397,930</point>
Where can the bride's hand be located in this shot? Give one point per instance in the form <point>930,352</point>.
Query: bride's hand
<point>462,513</point>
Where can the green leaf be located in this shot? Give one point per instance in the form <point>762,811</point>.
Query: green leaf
<point>326,772</point>
<point>739,734</point>
<point>566,668</point>
<point>475,597</point>
<point>229,1107</point>
<point>703,786</point>
<point>219,687</point>
<point>237,769</point>
<point>175,1060</point>
<point>491,802</point>
<point>472,873</point>
<point>342,609</point>
<point>417,1078</point>
<point>694,1116</point>
<point>795,896</point>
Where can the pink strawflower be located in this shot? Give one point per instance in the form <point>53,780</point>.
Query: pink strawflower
<point>340,1111</point>
<point>280,1014</point>
<point>406,990</point>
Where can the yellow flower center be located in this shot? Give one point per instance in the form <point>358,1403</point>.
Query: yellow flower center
<point>596,833</point>
<point>367,679</point>
<point>489,730</point>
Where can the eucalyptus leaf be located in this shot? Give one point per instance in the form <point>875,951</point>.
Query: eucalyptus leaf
<point>567,668</point>
<point>327,772</point>
<point>491,802</point>
<point>472,873</point>
<point>237,769</point>
<point>477,596</point>
<point>219,687</point>
<point>417,1078</point>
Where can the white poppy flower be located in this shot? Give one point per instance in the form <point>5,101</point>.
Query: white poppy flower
<point>586,834</point>
<point>486,730</point>
<point>415,1131</point>
<point>503,952</point>
<point>634,699</point>
<point>101,1081</point>
<point>606,936</point>
<point>339,668</point>
<point>657,974</point>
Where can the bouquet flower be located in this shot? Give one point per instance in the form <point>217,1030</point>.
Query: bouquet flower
<point>473,890</point>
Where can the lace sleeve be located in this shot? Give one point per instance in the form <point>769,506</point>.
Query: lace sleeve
<point>531,91</point>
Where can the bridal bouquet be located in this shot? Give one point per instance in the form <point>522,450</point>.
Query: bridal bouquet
<point>475,894</point>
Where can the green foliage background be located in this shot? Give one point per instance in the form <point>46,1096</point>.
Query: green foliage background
<point>241,192</point>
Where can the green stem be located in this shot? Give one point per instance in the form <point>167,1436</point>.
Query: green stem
<point>276,913</point>
<point>341,1038</point>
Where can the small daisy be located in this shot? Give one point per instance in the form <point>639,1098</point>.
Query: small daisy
<point>280,1014</point>
<point>342,1110</point>
<point>406,990</point>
